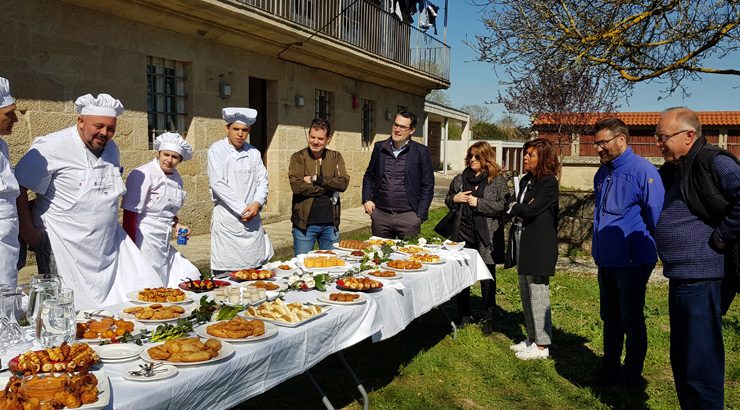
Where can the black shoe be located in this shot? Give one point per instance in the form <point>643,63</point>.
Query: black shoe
<point>633,382</point>
<point>488,324</point>
<point>464,321</point>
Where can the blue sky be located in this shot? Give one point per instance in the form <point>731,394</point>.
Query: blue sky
<point>476,83</point>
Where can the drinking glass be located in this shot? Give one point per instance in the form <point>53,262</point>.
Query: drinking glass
<point>12,332</point>
<point>55,322</point>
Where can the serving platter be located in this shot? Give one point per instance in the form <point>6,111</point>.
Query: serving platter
<point>270,331</point>
<point>384,265</point>
<point>104,393</point>
<point>133,296</point>
<point>324,311</point>
<point>324,298</point>
<point>227,350</point>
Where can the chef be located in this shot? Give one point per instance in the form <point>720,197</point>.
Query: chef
<point>9,247</point>
<point>73,224</point>
<point>238,181</point>
<point>153,197</point>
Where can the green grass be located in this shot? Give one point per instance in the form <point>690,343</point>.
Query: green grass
<point>424,368</point>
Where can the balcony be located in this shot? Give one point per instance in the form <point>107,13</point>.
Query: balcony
<point>364,25</point>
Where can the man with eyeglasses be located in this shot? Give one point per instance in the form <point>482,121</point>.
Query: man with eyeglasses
<point>398,185</point>
<point>629,198</point>
<point>696,238</point>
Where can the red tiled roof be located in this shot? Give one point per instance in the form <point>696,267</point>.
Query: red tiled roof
<point>715,118</point>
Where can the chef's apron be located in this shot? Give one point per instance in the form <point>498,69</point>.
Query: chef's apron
<point>235,244</point>
<point>9,246</point>
<point>154,233</point>
<point>94,256</point>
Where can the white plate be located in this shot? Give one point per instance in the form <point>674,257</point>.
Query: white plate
<point>442,261</point>
<point>270,331</point>
<point>282,285</point>
<point>103,391</point>
<point>133,296</point>
<point>81,315</point>
<point>117,351</point>
<point>336,246</point>
<point>324,310</point>
<point>161,372</point>
<point>459,245</point>
<point>384,265</point>
<point>367,273</point>
<point>336,252</point>
<point>346,267</point>
<point>421,250</point>
<point>129,316</point>
<point>138,327</point>
<point>226,350</point>
<point>324,297</point>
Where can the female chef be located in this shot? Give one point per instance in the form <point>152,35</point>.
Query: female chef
<point>153,197</point>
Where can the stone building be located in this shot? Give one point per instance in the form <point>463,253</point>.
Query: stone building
<point>580,160</point>
<point>176,63</point>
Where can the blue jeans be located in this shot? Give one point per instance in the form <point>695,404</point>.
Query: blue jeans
<point>303,242</point>
<point>622,299</point>
<point>697,348</point>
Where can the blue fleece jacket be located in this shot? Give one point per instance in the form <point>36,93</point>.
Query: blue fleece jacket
<point>629,199</point>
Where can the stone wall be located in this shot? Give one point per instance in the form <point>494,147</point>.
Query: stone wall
<point>575,228</point>
<point>76,51</point>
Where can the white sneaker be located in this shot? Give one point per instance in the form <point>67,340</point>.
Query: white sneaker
<point>521,345</point>
<point>533,352</point>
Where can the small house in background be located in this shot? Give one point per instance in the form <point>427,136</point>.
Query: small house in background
<point>447,133</point>
<point>580,160</point>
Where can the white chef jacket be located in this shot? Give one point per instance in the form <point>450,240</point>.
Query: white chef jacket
<point>156,198</point>
<point>9,246</point>
<point>77,204</point>
<point>237,178</point>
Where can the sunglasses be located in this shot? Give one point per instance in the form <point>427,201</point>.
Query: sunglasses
<point>476,156</point>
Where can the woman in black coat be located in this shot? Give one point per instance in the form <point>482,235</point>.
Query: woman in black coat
<point>536,246</point>
<point>478,194</point>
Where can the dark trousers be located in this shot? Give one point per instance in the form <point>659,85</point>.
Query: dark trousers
<point>395,225</point>
<point>697,348</point>
<point>622,296</point>
<point>488,292</point>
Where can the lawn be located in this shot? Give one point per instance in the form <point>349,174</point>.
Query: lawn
<point>425,368</point>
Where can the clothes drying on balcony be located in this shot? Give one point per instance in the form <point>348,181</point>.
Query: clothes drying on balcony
<point>428,16</point>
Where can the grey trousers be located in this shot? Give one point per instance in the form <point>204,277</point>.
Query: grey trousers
<point>395,225</point>
<point>535,293</point>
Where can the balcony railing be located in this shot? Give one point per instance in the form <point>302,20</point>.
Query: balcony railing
<point>367,26</point>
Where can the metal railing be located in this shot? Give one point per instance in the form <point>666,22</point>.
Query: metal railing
<point>367,26</point>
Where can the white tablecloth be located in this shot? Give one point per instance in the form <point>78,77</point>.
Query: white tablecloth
<point>256,367</point>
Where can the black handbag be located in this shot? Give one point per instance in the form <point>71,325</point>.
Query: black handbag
<point>447,224</point>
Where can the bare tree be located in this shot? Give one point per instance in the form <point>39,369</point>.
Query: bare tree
<point>637,40</point>
<point>439,97</point>
<point>569,99</point>
<point>478,113</point>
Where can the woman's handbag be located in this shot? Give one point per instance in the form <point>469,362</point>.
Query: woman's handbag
<point>447,224</point>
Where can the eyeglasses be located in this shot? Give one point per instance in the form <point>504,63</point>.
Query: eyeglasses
<point>602,144</point>
<point>662,138</point>
<point>401,127</point>
<point>471,156</point>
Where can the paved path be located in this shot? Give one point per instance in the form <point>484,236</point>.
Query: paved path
<point>354,220</point>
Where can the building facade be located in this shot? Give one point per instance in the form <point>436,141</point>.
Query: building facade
<point>176,63</point>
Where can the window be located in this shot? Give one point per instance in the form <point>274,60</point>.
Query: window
<point>368,121</point>
<point>165,97</point>
<point>323,104</point>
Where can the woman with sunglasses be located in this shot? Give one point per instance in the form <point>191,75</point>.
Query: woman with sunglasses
<point>534,236</point>
<point>478,194</point>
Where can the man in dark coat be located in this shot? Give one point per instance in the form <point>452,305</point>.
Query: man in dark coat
<point>398,185</point>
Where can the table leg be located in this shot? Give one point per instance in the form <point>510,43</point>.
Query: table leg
<point>318,388</point>
<point>452,322</point>
<point>360,387</point>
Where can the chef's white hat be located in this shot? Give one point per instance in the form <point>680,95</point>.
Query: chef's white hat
<point>5,98</point>
<point>171,141</point>
<point>103,105</point>
<point>246,116</point>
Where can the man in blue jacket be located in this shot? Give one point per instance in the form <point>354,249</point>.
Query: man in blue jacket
<point>398,185</point>
<point>629,199</point>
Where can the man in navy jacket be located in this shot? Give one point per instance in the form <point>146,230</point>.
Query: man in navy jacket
<point>629,199</point>
<point>398,185</point>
